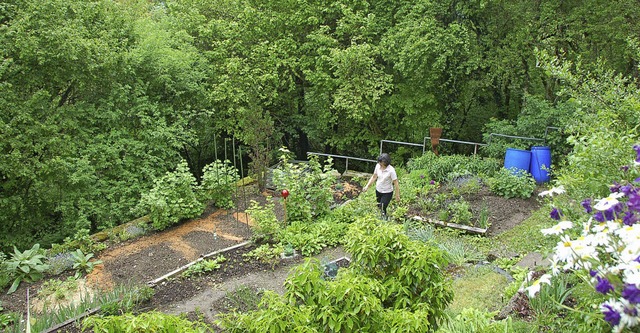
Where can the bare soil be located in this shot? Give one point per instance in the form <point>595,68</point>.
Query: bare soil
<point>138,261</point>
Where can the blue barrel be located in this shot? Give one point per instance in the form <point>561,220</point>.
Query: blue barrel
<point>540,163</point>
<point>517,159</point>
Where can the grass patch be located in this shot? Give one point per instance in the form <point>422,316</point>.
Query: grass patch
<point>479,288</point>
<point>522,239</point>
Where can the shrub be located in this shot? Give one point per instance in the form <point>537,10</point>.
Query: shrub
<point>25,266</point>
<point>508,184</point>
<point>172,198</point>
<point>442,168</point>
<point>266,227</point>
<point>218,183</point>
<point>392,285</point>
<point>309,187</point>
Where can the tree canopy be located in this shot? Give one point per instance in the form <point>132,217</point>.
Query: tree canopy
<point>99,98</point>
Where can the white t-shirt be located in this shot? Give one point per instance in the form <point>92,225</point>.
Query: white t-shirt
<point>384,183</point>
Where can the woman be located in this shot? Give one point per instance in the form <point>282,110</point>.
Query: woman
<point>386,181</point>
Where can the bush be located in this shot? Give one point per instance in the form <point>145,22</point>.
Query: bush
<point>25,266</point>
<point>392,285</point>
<point>442,168</point>
<point>218,183</point>
<point>309,187</point>
<point>266,227</point>
<point>172,198</point>
<point>508,184</point>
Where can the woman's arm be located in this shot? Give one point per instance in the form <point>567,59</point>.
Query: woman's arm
<point>396,186</point>
<point>371,180</point>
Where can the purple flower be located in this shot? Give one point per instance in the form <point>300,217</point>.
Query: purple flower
<point>421,176</point>
<point>615,187</point>
<point>634,201</point>
<point>592,273</point>
<point>603,286</point>
<point>626,189</point>
<point>637,180</point>
<point>555,214</point>
<point>629,218</point>
<point>432,182</point>
<point>586,203</point>
<point>637,149</point>
<point>624,168</point>
<point>610,214</point>
<point>610,315</point>
<point>598,216</point>
<point>631,293</point>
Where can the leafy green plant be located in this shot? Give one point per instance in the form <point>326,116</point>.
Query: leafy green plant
<point>25,266</point>
<point>124,299</point>
<point>266,227</point>
<point>483,217</point>
<point>218,183</point>
<point>476,320</point>
<point>458,252</point>
<point>82,262</point>
<point>508,184</point>
<point>204,266</point>
<point>60,289</point>
<point>309,186</point>
<point>145,322</point>
<point>460,212</point>
<point>266,253</point>
<point>80,240</point>
<point>172,198</point>
<point>6,319</point>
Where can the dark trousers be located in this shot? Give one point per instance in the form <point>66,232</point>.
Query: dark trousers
<point>383,200</point>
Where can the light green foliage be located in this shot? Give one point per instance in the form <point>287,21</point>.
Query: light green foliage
<point>82,262</point>
<point>172,199</point>
<point>145,322</point>
<point>458,252</point>
<point>479,287</point>
<point>6,319</point>
<point>25,266</point>
<point>218,183</point>
<point>459,212</point>
<point>404,266</point>
<point>311,238</point>
<point>266,253</point>
<point>204,266</point>
<point>58,288</point>
<point>478,321</point>
<point>124,299</point>
<point>80,240</point>
<point>309,186</point>
<point>509,185</point>
<point>266,227</point>
<point>392,284</point>
<point>446,167</point>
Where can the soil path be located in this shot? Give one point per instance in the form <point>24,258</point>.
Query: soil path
<point>207,302</point>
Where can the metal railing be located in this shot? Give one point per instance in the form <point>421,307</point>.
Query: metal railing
<point>513,137</point>
<point>475,144</point>
<point>401,143</point>
<point>347,158</point>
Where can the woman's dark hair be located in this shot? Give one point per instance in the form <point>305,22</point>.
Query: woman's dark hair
<point>384,158</point>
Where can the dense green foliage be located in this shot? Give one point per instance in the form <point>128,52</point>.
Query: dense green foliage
<point>100,98</point>
<point>393,284</point>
